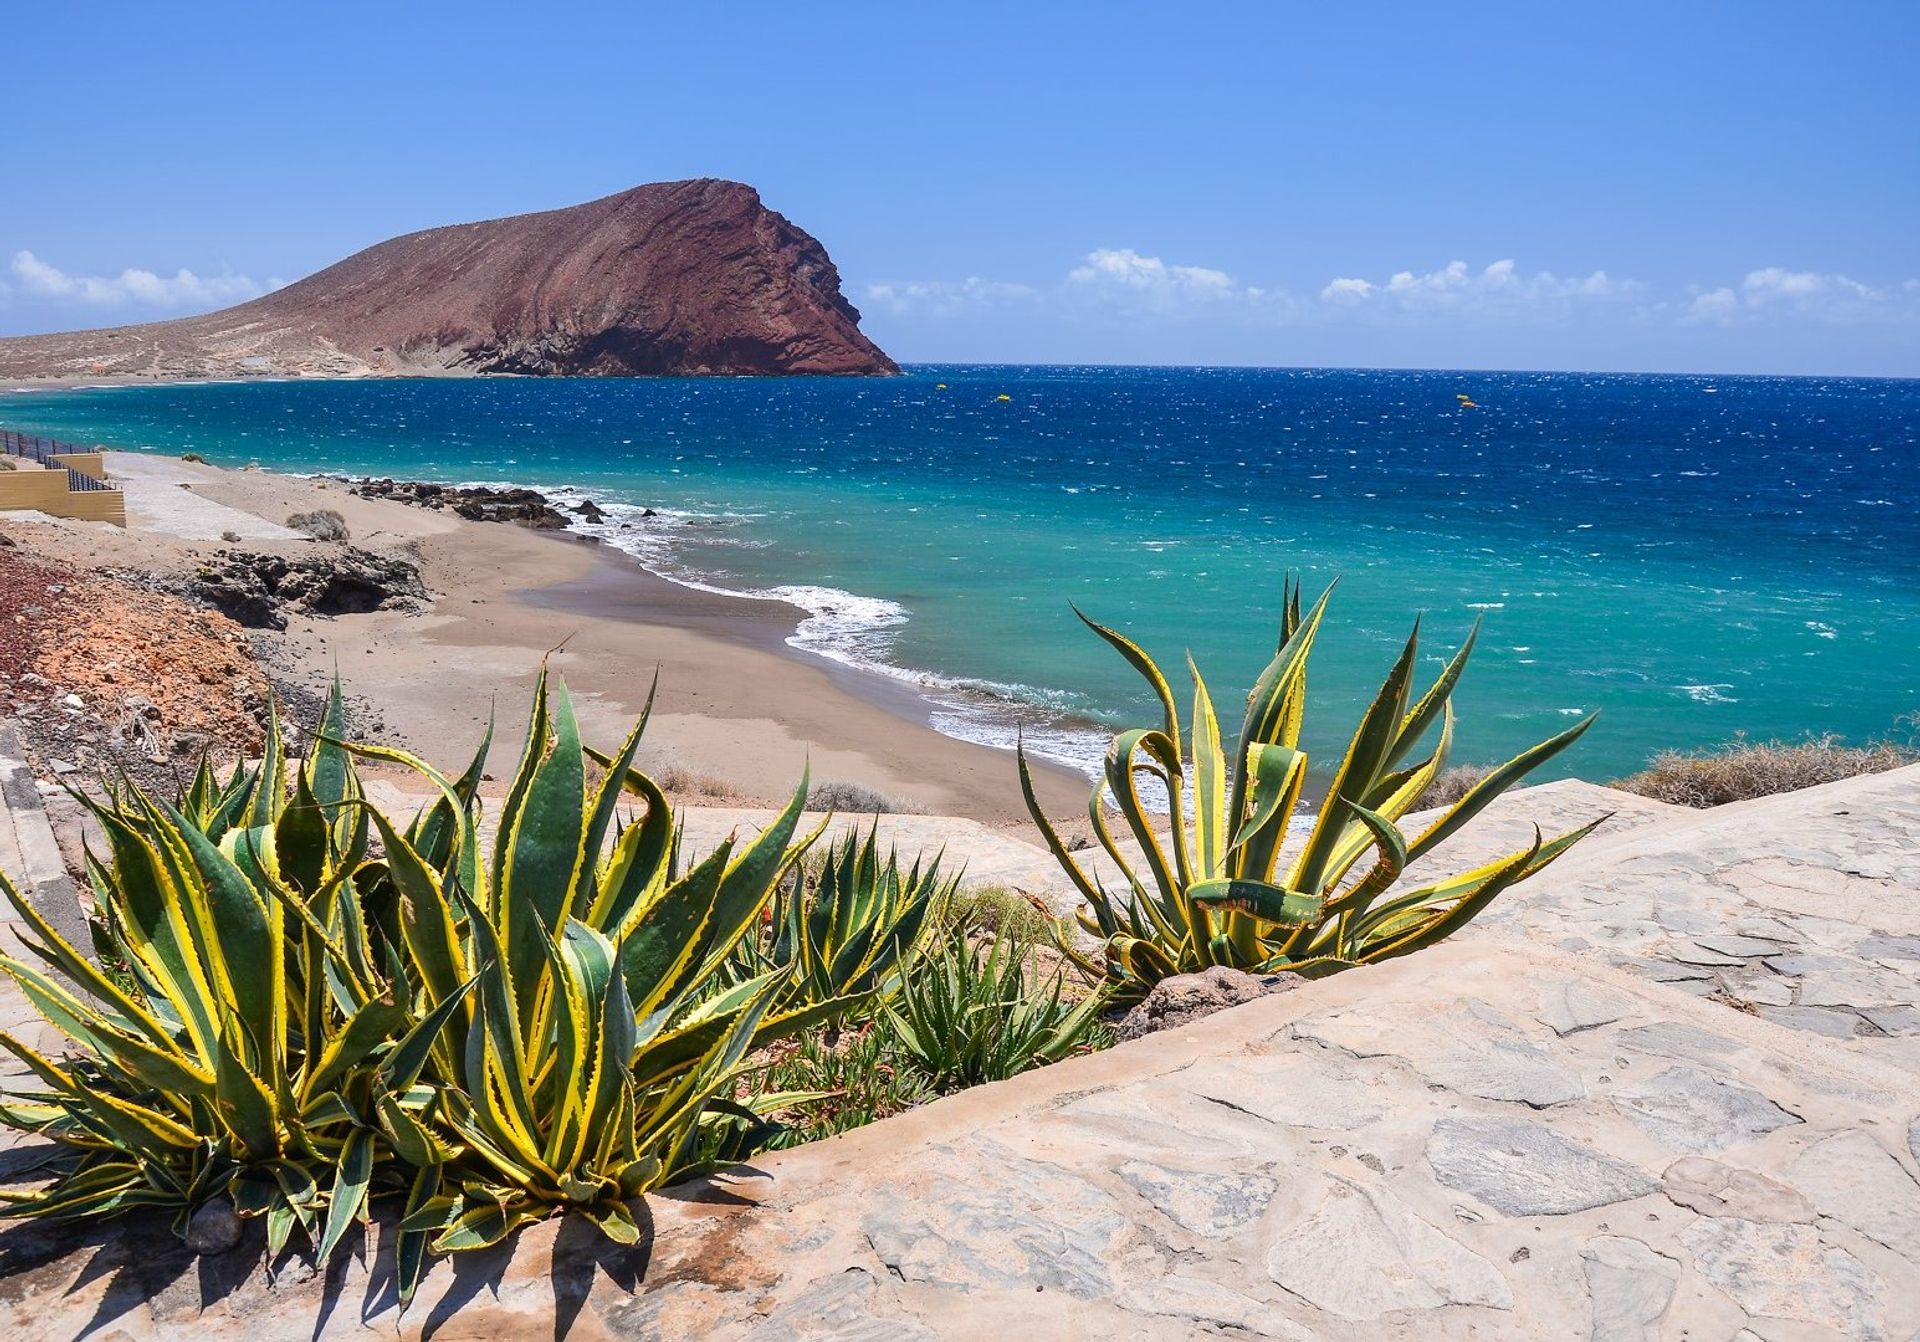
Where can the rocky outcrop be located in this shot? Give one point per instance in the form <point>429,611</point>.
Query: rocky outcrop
<point>257,590</point>
<point>478,503</point>
<point>694,277</point>
<point>1185,998</point>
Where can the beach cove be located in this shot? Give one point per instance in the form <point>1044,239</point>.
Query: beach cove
<point>734,702</point>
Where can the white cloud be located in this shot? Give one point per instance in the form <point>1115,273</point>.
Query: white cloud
<point>1109,278</point>
<point>1123,282</point>
<point>132,286</point>
<point>1775,291</point>
<point>944,298</point>
<point>1123,272</point>
<point>1499,289</point>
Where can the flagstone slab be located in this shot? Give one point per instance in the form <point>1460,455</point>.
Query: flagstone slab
<point>1251,1175</point>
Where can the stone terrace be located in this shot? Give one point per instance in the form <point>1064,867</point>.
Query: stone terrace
<point>1666,1091</point>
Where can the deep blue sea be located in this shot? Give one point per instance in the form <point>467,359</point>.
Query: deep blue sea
<point>1699,557</point>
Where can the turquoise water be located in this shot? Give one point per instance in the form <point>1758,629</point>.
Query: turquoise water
<point>1699,557</point>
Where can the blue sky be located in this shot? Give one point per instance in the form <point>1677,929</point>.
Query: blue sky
<point>1705,186</point>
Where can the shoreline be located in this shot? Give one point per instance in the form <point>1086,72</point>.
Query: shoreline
<point>1058,744</point>
<point>736,704</point>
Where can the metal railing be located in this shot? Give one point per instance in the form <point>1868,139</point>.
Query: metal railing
<point>43,450</point>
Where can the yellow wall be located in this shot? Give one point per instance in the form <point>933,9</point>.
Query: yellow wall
<point>87,463</point>
<point>46,491</point>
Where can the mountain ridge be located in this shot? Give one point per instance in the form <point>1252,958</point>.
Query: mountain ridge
<point>696,277</point>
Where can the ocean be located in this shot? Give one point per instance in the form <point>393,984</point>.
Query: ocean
<point>1701,558</point>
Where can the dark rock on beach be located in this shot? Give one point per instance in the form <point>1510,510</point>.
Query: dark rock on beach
<point>477,503</point>
<point>257,590</point>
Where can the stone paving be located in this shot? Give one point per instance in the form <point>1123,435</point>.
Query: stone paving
<point>1579,1120</point>
<point>1803,909</point>
<point>160,498</point>
<point>1480,1142</point>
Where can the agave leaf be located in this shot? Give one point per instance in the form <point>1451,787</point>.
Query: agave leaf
<point>432,941</point>
<point>604,806</point>
<point>1137,658</point>
<point>1089,888</point>
<point>1264,900</point>
<point>1210,782</point>
<point>1272,705</point>
<point>349,1195</point>
<point>267,793</point>
<point>1490,787</point>
<point>58,953</point>
<point>242,941</point>
<point>1437,700</point>
<point>411,1255</point>
<point>462,841</point>
<point>541,837</point>
<point>328,776</point>
<point>403,1063</point>
<point>354,1044</point>
<point>1359,770</point>
<point>486,1225</point>
<point>658,952</point>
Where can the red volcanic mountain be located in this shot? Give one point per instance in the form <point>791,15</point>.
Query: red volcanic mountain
<point>675,278</point>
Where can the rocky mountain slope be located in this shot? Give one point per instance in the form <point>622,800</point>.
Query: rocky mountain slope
<point>693,277</point>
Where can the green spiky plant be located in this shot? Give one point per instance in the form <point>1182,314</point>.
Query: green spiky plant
<point>246,1042</point>
<point>603,1021</point>
<point>1217,888</point>
<point>295,1019</point>
<point>850,931</point>
<point>975,1013</point>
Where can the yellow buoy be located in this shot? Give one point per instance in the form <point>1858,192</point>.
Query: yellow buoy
<point>1003,397</point>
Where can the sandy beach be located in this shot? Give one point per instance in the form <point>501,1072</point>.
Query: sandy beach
<point>737,708</point>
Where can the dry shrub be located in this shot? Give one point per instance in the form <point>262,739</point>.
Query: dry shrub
<point>1745,770</point>
<point>1453,784</point>
<point>682,784</point>
<point>850,799</point>
<point>994,911</point>
<point>323,524</point>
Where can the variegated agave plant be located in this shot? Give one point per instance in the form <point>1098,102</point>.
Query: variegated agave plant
<point>236,1036</point>
<point>578,1072</point>
<point>284,1015</point>
<point>847,934</point>
<point>1216,886</point>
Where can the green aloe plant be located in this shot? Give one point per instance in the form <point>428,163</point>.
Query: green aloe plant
<point>246,1042</point>
<point>1215,885</point>
<point>850,931</point>
<point>974,1013</point>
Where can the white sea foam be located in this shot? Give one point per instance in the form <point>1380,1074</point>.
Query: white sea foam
<point>1708,694</point>
<point>856,631</point>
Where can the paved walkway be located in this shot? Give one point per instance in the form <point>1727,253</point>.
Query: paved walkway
<point>33,863</point>
<point>160,498</point>
<point>1802,909</point>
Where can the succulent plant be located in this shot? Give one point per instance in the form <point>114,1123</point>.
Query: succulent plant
<point>1214,884</point>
